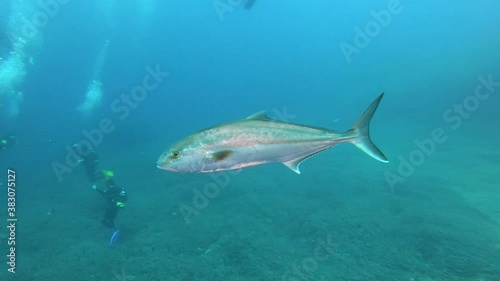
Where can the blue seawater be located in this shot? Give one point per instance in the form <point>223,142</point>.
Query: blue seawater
<point>127,79</point>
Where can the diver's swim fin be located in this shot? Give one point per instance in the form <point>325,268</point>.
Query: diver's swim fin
<point>114,238</point>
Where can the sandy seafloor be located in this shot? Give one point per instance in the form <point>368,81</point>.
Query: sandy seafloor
<point>338,220</point>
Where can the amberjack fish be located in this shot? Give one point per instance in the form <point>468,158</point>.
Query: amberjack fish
<point>258,140</point>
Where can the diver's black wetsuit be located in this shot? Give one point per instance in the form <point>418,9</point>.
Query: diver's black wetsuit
<point>115,197</point>
<point>90,162</point>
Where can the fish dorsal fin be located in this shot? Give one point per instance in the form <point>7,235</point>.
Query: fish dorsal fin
<point>261,115</point>
<point>221,155</point>
<point>295,163</point>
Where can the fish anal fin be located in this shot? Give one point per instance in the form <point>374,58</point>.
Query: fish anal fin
<point>295,163</point>
<point>221,155</point>
<point>261,115</point>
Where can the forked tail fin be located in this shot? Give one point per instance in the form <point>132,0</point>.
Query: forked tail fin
<point>360,133</point>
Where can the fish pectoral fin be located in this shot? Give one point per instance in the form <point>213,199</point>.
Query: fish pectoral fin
<point>221,155</point>
<point>261,115</point>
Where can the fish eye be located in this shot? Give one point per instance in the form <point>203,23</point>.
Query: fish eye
<point>176,154</point>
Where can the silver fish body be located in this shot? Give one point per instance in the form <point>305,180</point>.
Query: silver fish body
<point>259,140</point>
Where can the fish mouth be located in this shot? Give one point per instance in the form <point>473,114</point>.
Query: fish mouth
<point>160,163</point>
<point>164,167</point>
<point>161,167</point>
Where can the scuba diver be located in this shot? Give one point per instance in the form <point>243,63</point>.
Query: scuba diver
<point>115,198</point>
<point>114,195</point>
<point>90,163</point>
<point>7,142</point>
